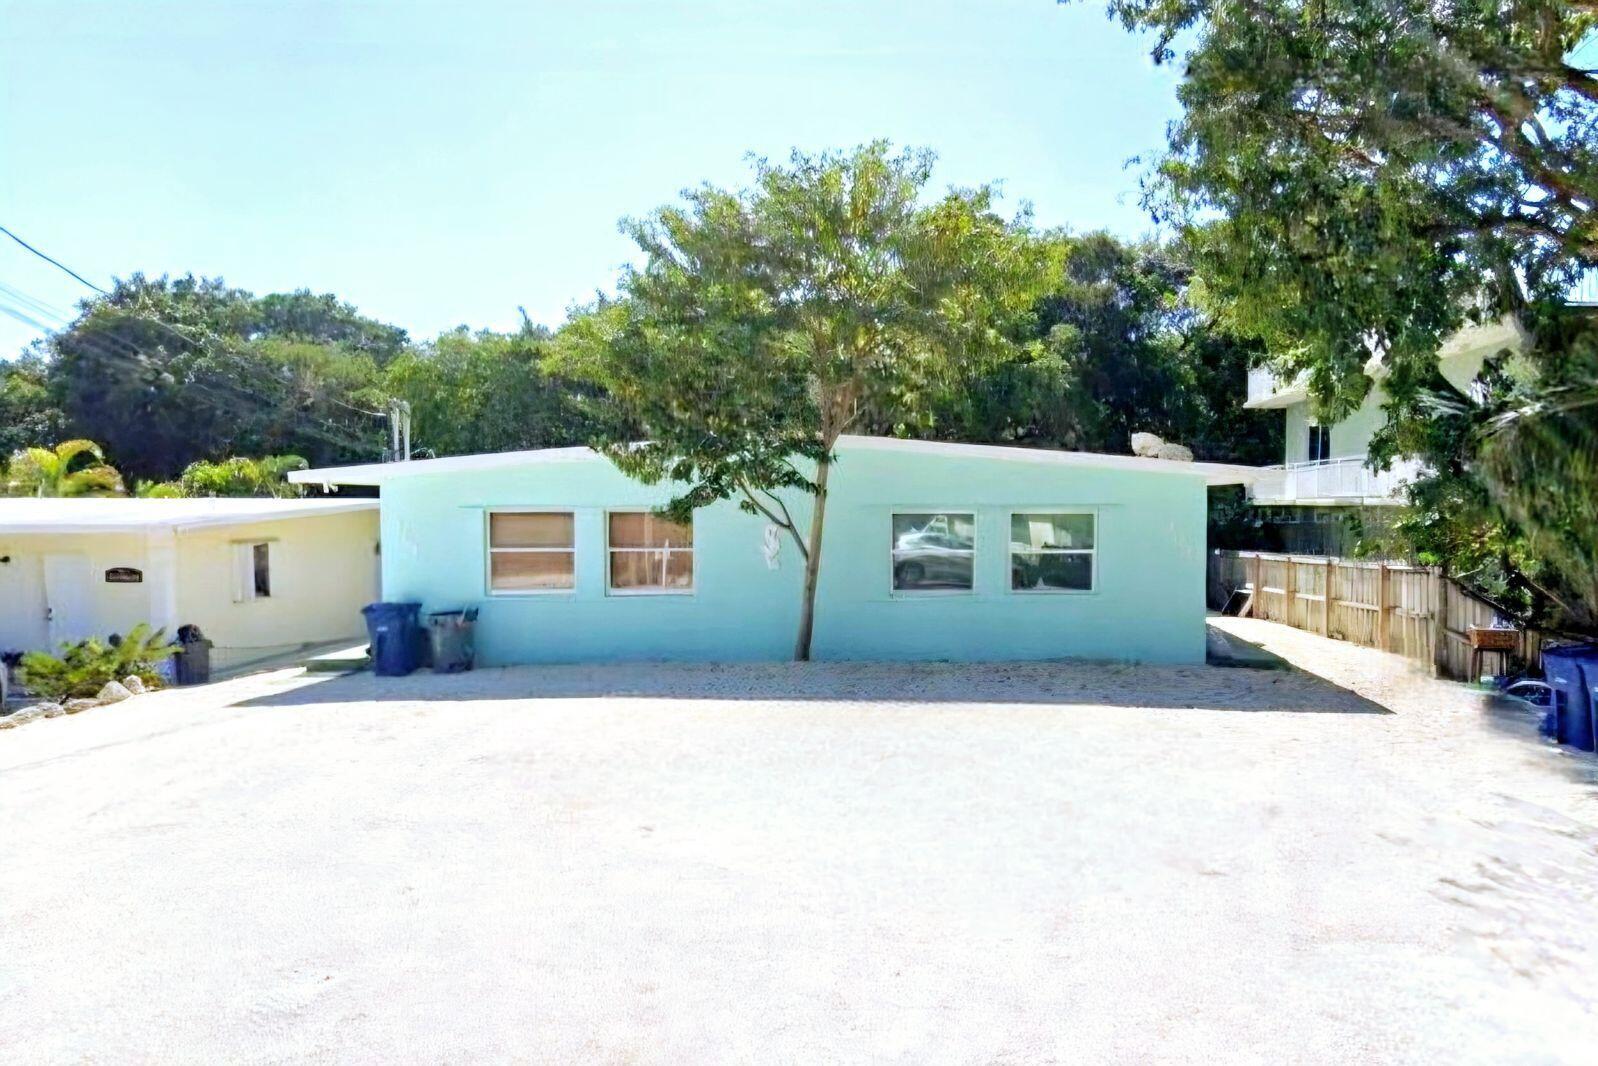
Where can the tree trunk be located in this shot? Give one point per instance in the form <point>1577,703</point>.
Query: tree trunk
<point>807,608</point>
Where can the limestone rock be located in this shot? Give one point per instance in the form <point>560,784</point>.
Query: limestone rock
<point>83,703</point>
<point>1177,453</point>
<point>113,692</point>
<point>23,715</point>
<point>133,683</point>
<point>1146,445</point>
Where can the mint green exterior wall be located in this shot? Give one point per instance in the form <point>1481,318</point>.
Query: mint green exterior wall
<point>1148,603</point>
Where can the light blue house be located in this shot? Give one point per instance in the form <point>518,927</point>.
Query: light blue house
<point>932,551</point>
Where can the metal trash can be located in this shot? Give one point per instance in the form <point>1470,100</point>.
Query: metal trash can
<point>192,663</point>
<point>395,636</point>
<point>450,634</point>
<point>1572,673</point>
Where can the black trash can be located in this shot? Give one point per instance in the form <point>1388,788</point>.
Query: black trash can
<point>396,637</point>
<point>450,636</point>
<point>1572,673</point>
<point>192,663</point>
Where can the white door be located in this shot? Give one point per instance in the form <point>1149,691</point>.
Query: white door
<point>21,602</point>
<point>68,597</point>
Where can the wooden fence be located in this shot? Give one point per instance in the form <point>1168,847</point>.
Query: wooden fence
<point>1413,611</point>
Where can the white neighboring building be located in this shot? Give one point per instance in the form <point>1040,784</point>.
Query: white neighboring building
<point>260,577</point>
<point>1324,474</point>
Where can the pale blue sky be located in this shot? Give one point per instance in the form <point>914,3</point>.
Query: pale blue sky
<point>440,163</point>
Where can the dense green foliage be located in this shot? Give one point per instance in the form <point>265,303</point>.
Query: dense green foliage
<point>29,415</point>
<point>1116,346</point>
<point>167,374</point>
<point>1359,177</point>
<point>237,476</point>
<point>488,392</point>
<point>84,667</point>
<point>766,323</point>
<point>164,373</point>
<point>71,468</point>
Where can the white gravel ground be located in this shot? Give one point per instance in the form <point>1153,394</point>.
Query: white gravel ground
<point>833,863</point>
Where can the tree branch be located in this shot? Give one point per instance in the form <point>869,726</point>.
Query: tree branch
<point>793,531</point>
<point>774,498</point>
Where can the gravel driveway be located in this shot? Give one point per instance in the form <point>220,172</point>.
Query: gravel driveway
<point>832,863</point>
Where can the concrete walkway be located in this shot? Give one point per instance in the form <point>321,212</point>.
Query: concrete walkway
<point>830,863</point>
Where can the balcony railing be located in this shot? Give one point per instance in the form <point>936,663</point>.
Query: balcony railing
<point>1333,481</point>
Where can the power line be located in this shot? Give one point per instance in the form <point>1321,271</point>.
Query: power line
<point>135,359</point>
<point>54,262</point>
<point>38,305</point>
<point>24,318</point>
<point>105,346</point>
<point>43,307</point>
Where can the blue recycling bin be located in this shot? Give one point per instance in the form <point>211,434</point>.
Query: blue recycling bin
<point>396,636</point>
<point>1572,672</point>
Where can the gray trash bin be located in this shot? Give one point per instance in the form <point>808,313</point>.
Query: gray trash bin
<point>193,657</point>
<point>450,633</point>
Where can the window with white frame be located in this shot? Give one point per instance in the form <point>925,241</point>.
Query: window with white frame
<point>252,571</point>
<point>530,552</point>
<point>1318,446</point>
<point>934,551</point>
<point>1053,551</point>
<point>648,553</point>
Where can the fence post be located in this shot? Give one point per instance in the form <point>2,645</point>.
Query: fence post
<point>1384,622</point>
<point>1439,623</point>
<point>1290,591</point>
<point>1326,601</point>
<point>1256,601</point>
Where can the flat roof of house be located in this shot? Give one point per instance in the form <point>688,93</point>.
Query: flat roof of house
<point>121,514</point>
<point>378,473</point>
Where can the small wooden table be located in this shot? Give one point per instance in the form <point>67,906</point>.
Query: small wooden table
<point>1483,639</point>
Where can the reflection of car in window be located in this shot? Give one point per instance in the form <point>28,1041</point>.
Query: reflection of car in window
<point>932,554</point>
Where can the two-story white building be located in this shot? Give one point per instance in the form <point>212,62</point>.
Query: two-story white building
<point>1324,477</point>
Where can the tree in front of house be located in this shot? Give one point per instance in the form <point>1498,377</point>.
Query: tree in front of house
<point>1360,178</point>
<point>71,468</point>
<point>766,323</point>
<point>238,476</point>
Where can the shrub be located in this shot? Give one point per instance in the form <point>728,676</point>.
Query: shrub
<point>84,667</point>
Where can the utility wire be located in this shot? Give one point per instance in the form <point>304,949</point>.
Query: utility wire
<point>158,323</point>
<point>23,317</point>
<point>54,262</point>
<point>135,359</point>
<point>48,309</point>
<point>95,342</point>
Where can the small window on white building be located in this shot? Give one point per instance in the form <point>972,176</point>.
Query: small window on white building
<point>934,551</point>
<point>252,571</point>
<point>531,551</point>
<point>1052,552</point>
<point>1320,443</point>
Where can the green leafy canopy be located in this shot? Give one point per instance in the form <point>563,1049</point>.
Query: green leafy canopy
<point>765,323</point>
<point>1365,177</point>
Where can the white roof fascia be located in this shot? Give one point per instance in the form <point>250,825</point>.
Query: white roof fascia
<point>378,473</point>
<point>140,515</point>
